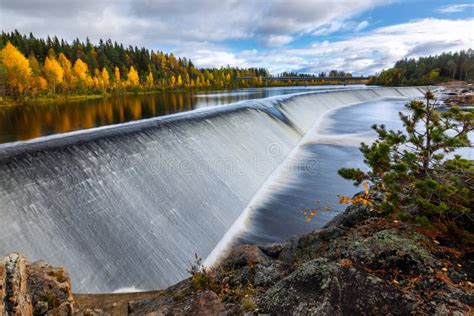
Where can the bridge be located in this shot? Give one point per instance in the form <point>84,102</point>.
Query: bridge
<point>321,79</point>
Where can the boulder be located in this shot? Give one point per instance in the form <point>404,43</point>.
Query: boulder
<point>245,255</point>
<point>323,287</point>
<point>33,288</point>
<point>16,298</point>
<point>50,289</point>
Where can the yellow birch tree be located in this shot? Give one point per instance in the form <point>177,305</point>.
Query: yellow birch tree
<point>117,77</point>
<point>17,69</point>
<point>149,80</point>
<point>54,72</point>
<point>105,78</point>
<point>132,77</point>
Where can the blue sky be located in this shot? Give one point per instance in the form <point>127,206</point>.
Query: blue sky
<point>362,36</point>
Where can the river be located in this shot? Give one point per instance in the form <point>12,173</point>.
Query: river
<point>28,122</point>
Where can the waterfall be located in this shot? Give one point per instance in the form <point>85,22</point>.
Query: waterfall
<point>129,205</point>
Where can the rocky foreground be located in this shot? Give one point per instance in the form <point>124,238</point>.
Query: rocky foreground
<point>357,264</point>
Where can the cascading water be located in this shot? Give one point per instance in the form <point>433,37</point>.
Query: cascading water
<point>130,205</point>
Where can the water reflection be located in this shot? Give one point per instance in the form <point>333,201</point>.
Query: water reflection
<point>27,122</point>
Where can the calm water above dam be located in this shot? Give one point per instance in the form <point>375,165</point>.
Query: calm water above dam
<point>27,122</point>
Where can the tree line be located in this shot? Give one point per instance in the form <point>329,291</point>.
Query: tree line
<point>32,66</point>
<point>428,70</point>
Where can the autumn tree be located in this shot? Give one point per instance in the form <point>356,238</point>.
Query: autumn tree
<point>172,82</point>
<point>54,72</point>
<point>149,80</point>
<point>117,77</point>
<point>17,70</point>
<point>34,65</point>
<point>3,77</point>
<point>68,81</point>
<point>132,77</point>
<point>80,69</point>
<point>38,83</point>
<point>105,78</point>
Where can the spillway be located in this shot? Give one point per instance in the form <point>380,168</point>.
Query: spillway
<point>129,205</point>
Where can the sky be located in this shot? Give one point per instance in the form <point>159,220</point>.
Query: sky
<point>362,37</point>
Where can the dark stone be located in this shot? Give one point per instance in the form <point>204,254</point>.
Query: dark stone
<point>455,276</point>
<point>245,255</point>
<point>353,215</point>
<point>389,250</point>
<point>272,250</point>
<point>322,287</point>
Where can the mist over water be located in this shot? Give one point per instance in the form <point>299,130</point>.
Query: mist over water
<point>128,207</point>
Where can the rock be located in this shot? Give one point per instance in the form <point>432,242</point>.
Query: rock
<point>455,276</point>
<point>309,246</point>
<point>322,287</point>
<point>272,250</point>
<point>200,303</point>
<point>353,215</point>
<point>91,312</point>
<point>33,288</point>
<point>245,255</point>
<point>41,308</point>
<point>16,298</point>
<point>50,286</point>
<point>2,289</point>
<point>360,263</point>
<point>389,250</point>
<point>267,275</point>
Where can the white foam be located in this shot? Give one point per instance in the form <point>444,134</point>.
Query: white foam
<point>128,290</point>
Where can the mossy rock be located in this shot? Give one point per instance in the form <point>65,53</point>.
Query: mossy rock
<point>390,249</point>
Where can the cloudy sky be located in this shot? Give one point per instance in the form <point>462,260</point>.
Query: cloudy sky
<point>361,36</point>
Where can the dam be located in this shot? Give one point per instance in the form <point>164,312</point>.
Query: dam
<point>129,205</point>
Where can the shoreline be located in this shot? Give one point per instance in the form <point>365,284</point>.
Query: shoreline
<point>47,100</point>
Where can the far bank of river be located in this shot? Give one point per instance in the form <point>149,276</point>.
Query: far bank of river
<point>83,112</point>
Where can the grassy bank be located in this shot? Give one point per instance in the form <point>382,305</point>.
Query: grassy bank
<point>48,99</point>
<point>7,101</point>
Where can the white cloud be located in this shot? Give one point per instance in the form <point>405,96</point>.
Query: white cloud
<point>200,30</point>
<point>362,25</point>
<point>155,22</point>
<point>208,55</point>
<point>380,48</point>
<point>370,52</point>
<point>277,40</point>
<point>455,8</point>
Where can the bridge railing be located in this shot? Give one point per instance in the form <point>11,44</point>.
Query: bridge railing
<point>304,78</point>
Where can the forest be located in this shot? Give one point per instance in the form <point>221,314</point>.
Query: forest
<point>32,67</point>
<point>428,70</point>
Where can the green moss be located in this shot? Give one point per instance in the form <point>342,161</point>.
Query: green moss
<point>389,239</point>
